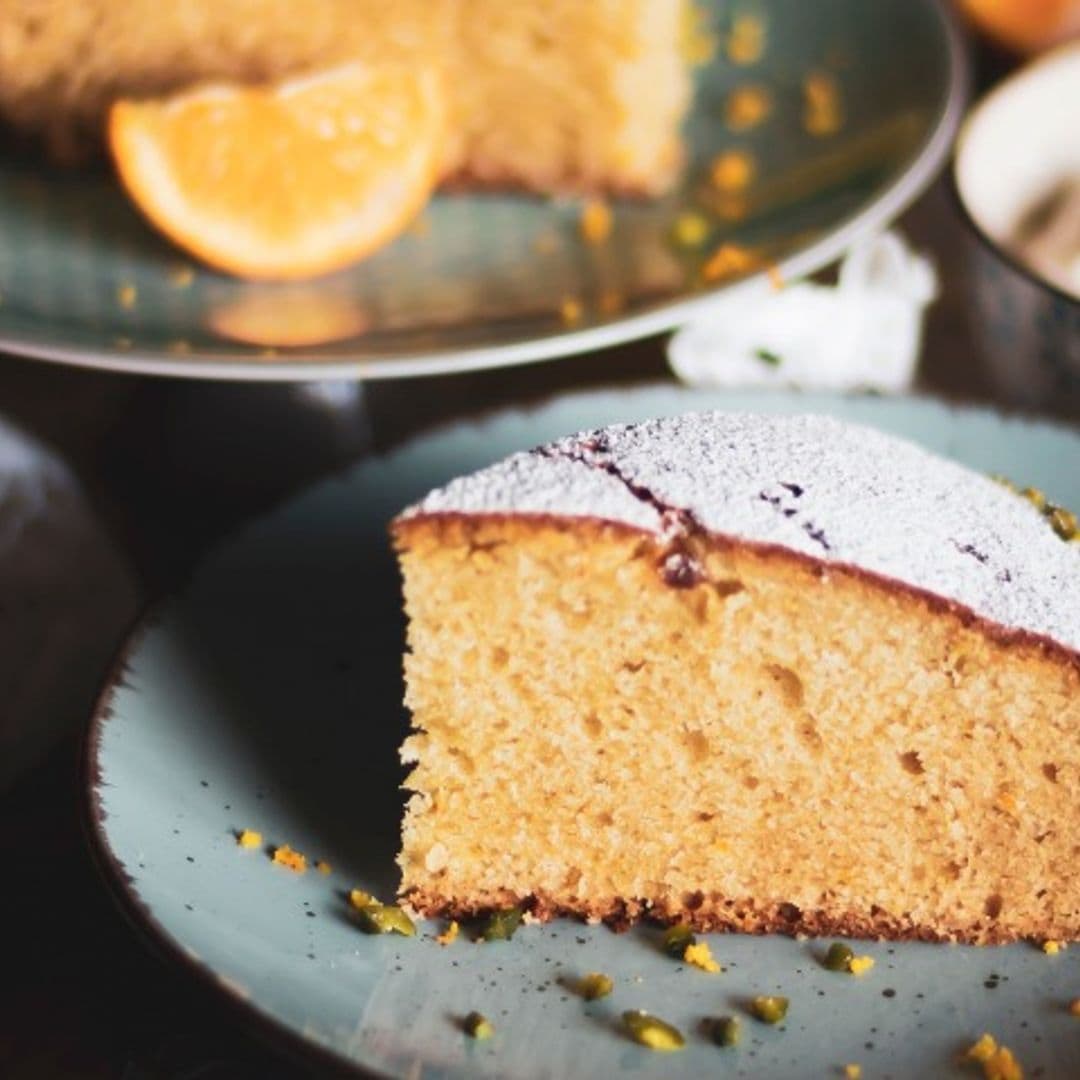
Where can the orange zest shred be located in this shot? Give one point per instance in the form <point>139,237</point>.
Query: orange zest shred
<point>323,866</point>
<point>291,860</point>
<point>699,955</point>
<point>181,277</point>
<point>610,302</point>
<point>860,965</point>
<point>732,171</point>
<point>998,1062</point>
<point>746,107</point>
<point>822,109</point>
<point>249,838</point>
<point>571,311</point>
<point>449,935</point>
<point>729,260</point>
<point>746,39</point>
<point>596,221</point>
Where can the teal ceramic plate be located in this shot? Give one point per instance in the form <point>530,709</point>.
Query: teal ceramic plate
<point>268,696</point>
<point>482,284</point>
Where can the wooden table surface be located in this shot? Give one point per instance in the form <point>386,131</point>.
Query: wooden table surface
<point>173,466</point>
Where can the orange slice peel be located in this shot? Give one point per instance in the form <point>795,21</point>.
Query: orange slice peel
<point>286,181</point>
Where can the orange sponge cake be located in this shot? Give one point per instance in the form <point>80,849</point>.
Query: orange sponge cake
<point>552,95</point>
<point>755,673</point>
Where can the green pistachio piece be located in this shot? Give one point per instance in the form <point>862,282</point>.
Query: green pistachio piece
<point>769,1009</point>
<point>676,939</point>
<point>652,1032</point>
<point>378,918</point>
<point>500,925</point>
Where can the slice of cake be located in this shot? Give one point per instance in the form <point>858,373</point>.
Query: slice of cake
<point>752,672</point>
<point>552,95</point>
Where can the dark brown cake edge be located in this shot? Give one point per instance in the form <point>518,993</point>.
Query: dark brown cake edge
<point>725,915</point>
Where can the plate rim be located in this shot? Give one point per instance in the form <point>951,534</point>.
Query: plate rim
<point>117,884</point>
<point>889,203</point>
<point>115,879</point>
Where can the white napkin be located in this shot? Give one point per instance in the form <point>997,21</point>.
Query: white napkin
<point>66,597</point>
<point>863,333</point>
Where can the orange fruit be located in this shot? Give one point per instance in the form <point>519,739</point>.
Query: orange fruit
<point>284,181</point>
<point>1024,25</point>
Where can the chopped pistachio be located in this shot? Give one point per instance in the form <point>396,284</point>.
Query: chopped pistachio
<point>769,1008</point>
<point>376,918</point>
<point>595,985</point>
<point>725,1031</point>
<point>690,230</point>
<point>838,957</point>
<point>767,356</point>
<point>478,1026</point>
<point>500,925</point>
<point>652,1032</point>
<point>360,899</point>
<point>1035,497</point>
<point>677,939</point>
<point>1062,521</point>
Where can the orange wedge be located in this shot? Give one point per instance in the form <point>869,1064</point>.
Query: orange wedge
<point>1025,26</point>
<point>284,181</point>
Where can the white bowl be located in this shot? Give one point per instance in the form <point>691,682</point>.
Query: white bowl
<point>1017,145</point>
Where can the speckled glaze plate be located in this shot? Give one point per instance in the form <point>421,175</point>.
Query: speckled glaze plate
<point>482,283</point>
<point>268,696</point>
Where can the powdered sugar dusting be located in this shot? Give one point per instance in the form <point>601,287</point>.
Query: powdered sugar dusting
<point>539,482</point>
<point>839,492</point>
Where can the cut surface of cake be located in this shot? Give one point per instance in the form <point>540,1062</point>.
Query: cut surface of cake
<point>553,95</point>
<point>749,672</point>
